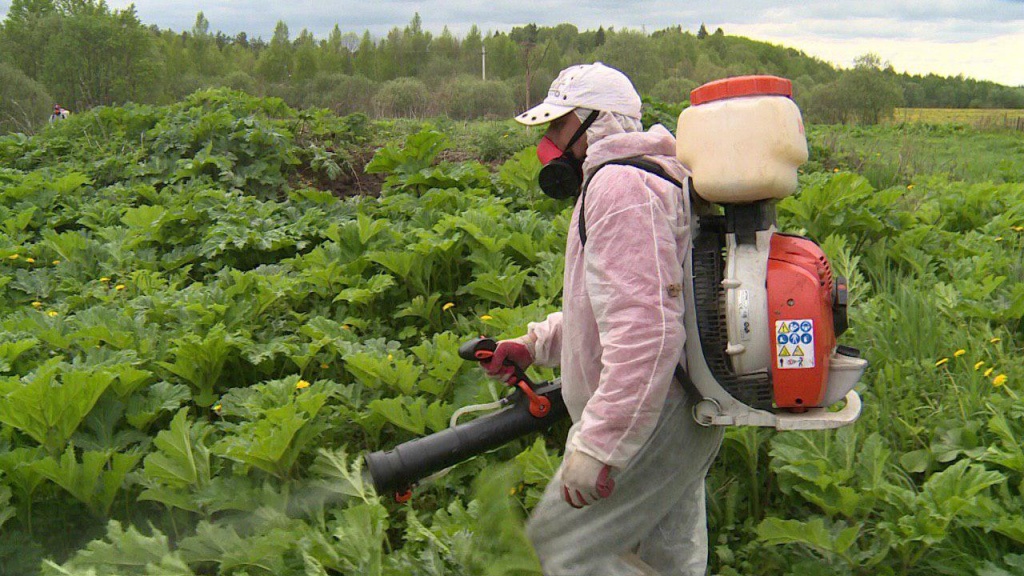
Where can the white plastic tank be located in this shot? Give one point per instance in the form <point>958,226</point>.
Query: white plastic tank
<point>742,139</point>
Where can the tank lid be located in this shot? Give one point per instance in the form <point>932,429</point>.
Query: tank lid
<point>741,86</point>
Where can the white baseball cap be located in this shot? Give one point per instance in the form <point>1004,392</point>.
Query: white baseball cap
<point>591,86</point>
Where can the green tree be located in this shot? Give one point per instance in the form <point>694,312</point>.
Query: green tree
<point>472,45</point>
<point>306,57</point>
<point>365,61</point>
<point>871,92</point>
<point>203,51</point>
<point>335,57</point>
<point>98,57</point>
<point>415,47</point>
<point>275,64</point>
<point>24,103</point>
<point>29,26</point>
<point>630,52</point>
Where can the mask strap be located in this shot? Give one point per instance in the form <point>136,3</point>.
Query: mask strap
<point>581,130</point>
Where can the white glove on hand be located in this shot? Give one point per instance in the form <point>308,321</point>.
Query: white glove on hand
<point>585,479</point>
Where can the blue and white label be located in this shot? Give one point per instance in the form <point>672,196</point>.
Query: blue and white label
<point>795,340</point>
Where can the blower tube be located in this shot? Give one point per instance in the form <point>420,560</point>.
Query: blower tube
<point>398,469</point>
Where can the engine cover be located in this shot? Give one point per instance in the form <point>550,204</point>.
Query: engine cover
<point>800,287</point>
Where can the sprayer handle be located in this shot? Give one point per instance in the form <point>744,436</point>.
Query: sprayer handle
<point>478,349</point>
<point>482,349</point>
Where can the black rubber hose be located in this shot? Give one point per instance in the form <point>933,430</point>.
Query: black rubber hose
<point>398,469</point>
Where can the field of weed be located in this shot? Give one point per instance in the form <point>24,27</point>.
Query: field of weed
<point>203,328</point>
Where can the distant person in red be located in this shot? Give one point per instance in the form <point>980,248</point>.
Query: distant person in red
<point>59,113</point>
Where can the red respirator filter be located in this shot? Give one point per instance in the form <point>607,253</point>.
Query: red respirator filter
<point>547,150</point>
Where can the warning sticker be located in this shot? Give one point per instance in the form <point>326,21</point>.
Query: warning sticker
<point>795,340</point>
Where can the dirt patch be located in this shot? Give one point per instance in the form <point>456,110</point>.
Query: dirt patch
<point>352,181</point>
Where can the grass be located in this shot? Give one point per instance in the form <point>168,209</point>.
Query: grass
<point>978,118</point>
<point>897,155</point>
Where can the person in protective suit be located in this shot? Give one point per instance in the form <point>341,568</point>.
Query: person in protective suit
<point>59,113</point>
<point>629,495</point>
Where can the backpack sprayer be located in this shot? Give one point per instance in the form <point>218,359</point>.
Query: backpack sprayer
<point>763,309</point>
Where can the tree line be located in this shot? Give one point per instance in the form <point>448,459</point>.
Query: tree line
<point>82,54</point>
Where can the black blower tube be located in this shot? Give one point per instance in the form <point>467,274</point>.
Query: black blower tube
<point>398,469</point>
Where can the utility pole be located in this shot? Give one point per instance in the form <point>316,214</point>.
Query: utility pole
<point>483,56</point>
<point>528,47</point>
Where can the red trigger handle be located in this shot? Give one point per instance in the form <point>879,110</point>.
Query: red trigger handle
<point>482,349</point>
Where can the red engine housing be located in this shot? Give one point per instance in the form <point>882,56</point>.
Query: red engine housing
<point>800,283</point>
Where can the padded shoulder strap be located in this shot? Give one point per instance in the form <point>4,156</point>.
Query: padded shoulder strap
<point>634,161</point>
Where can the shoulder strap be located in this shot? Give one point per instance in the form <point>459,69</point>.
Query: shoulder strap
<point>634,161</point>
<point>653,168</point>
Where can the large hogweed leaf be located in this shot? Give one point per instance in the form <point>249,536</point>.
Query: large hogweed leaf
<point>200,360</point>
<point>391,368</point>
<point>6,510</point>
<point>10,351</point>
<point>440,356</point>
<point>144,407</point>
<point>501,287</point>
<point>94,481</point>
<point>414,415</point>
<point>260,553</point>
<point>833,542</point>
<point>48,410</point>
<point>181,460</point>
<point>271,435</point>
<point>366,291</point>
<point>126,552</point>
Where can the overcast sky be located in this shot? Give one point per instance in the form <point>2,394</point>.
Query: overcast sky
<point>982,39</point>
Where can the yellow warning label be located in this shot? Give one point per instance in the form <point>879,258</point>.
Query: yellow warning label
<point>798,352</point>
<point>784,352</point>
<point>783,328</point>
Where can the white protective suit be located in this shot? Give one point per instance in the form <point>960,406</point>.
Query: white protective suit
<point>618,339</point>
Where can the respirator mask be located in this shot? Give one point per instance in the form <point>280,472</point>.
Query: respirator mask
<point>562,174</point>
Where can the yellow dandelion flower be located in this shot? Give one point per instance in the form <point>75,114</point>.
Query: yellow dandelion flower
<point>995,341</point>
<point>941,362</point>
<point>104,279</point>
<point>447,306</point>
<point>910,186</point>
<point>55,262</point>
<point>391,357</point>
<point>217,408</point>
<point>52,313</point>
<point>301,384</point>
<point>1018,228</point>
<point>323,366</point>
<point>119,287</point>
<point>979,364</point>
<point>999,238</point>
<point>37,304</point>
<point>30,260</point>
<point>13,257</point>
<point>999,380</point>
<point>486,317</point>
<point>959,353</point>
<point>835,170</point>
<point>989,372</point>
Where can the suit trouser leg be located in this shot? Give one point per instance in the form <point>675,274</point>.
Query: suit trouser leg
<point>657,509</point>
